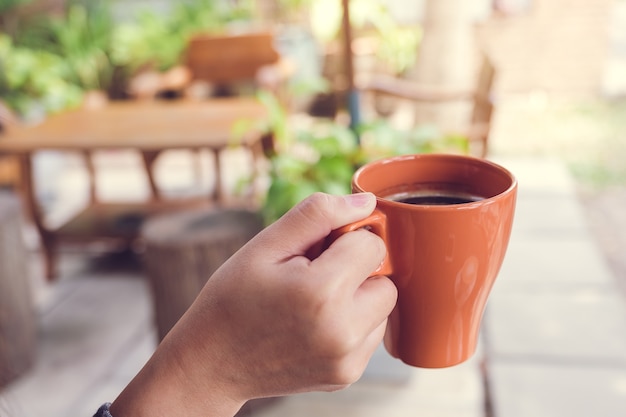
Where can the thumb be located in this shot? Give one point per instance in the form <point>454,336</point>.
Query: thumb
<point>315,217</point>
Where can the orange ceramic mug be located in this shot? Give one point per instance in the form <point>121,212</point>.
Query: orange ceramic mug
<point>445,245</point>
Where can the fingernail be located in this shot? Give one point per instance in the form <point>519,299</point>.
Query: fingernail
<point>360,199</point>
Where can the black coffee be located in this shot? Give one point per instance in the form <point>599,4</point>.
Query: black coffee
<point>426,198</point>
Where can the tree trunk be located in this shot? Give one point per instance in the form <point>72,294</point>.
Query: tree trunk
<point>447,58</point>
<point>18,325</point>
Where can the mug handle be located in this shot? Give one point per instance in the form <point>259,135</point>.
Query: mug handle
<point>377,224</point>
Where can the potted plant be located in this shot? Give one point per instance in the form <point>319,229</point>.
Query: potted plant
<point>82,36</point>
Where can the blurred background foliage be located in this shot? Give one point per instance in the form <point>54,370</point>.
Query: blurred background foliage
<point>320,155</point>
<point>101,48</point>
<point>55,57</point>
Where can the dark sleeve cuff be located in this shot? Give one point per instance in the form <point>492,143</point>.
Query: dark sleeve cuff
<point>103,411</point>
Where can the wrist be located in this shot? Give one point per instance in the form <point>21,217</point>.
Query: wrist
<point>103,411</point>
<point>167,388</point>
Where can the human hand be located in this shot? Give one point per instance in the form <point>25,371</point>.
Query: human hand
<point>273,322</point>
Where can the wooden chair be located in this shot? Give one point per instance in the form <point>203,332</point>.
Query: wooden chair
<point>479,126</point>
<point>225,61</point>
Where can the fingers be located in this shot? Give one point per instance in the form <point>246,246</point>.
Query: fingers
<point>351,259</point>
<point>343,269</point>
<point>360,305</point>
<point>338,312</point>
<point>314,218</point>
<point>374,301</point>
<point>349,369</point>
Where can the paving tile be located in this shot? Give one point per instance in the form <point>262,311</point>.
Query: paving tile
<point>547,201</point>
<point>119,372</point>
<point>548,215</point>
<point>78,340</point>
<point>547,390</point>
<point>456,391</point>
<point>385,368</point>
<point>552,263</point>
<point>584,325</point>
<point>555,325</point>
<point>537,174</point>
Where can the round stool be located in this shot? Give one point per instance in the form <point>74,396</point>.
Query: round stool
<point>183,249</point>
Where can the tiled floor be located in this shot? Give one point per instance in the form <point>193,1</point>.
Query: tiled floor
<point>554,328</point>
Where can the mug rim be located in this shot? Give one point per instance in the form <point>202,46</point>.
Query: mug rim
<point>439,156</point>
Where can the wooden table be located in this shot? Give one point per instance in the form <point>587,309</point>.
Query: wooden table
<point>148,127</point>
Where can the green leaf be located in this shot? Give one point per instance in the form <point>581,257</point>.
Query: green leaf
<point>337,168</point>
<point>283,195</point>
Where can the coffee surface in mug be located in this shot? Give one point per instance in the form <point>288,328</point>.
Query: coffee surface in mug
<point>433,197</point>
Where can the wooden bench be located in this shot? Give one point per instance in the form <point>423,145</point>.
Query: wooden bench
<point>183,249</point>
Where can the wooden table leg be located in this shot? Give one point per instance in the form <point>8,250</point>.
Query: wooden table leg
<point>197,165</point>
<point>47,239</point>
<point>91,173</point>
<point>217,192</point>
<point>149,157</point>
<point>262,151</point>
<point>50,255</point>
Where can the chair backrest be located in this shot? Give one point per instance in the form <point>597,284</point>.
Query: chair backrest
<point>229,59</point>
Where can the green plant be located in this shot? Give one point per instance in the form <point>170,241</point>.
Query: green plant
<point>159,40</point>
<point>322,155</point>
<point>31,78</point>
<point>396,45</point>
<point>321,158</point>
<point>82,36</point>
<point>380,139</point>
<point>209,15</point>
<point>147,41</point>
<point>50,59</point>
